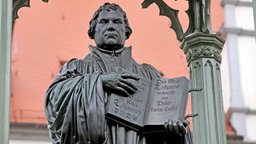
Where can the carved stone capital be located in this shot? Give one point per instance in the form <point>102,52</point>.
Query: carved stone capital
<point>201,45</point>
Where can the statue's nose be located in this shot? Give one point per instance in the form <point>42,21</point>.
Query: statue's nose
<point>110,28</point>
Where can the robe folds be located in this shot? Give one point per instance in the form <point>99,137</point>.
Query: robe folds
<point>75,102</point>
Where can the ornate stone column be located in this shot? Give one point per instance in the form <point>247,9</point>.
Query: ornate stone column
<point>203,57</point>
<point>202,48</point>
<point>5,63</point>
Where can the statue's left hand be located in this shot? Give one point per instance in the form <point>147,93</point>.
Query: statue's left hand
<point>179,127</point>
<point>176,127</point>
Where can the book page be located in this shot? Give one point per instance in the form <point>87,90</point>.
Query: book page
<point>166,100</point>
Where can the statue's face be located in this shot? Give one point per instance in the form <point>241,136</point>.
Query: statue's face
<point>110,30</point>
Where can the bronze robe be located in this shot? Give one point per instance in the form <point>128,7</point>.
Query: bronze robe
<point>75,102</point>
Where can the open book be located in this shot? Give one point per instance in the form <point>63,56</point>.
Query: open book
<point>154,103</point>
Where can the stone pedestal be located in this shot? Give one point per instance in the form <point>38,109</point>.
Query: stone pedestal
<point>203,57</point>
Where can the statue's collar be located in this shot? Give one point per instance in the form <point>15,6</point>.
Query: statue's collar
<point>111,59</point>
<point>123,50</point>
<point>111,52</point>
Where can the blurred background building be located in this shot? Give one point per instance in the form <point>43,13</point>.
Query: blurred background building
<point>47,35</point>
<point>238,67</point>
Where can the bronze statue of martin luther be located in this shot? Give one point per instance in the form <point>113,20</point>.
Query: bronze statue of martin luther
<point>75,101</point>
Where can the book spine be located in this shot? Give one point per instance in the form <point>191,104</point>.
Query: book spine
<point>184,98</point>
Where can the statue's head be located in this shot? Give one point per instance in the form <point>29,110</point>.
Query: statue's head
<point>109,27</point>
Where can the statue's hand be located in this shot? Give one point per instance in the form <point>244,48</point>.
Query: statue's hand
<point>176,127</point>
<point>119,83</point>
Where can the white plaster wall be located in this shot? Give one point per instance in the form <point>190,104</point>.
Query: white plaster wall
<point>244,17</point>
<point>245,0</point>
<point>247,59</point>
<point>225,78</point>
<point>251,127</point>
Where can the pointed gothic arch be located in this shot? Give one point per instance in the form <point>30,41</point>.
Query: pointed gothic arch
<point>17,4</point>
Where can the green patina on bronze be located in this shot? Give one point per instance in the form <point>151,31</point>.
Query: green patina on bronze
<point>75,103</point>
<point>5,69</point>
<point>17,4</point>
<point>203,57</point>
<point>203,52</point>
<point>198,13</point>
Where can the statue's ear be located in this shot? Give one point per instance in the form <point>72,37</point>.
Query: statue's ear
<point>127,34</point>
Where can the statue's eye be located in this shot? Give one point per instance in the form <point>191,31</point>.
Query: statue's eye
<point>103,21</point>
<point>118,21</point>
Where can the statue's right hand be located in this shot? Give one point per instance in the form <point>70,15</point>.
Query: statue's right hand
<point>119,83</point>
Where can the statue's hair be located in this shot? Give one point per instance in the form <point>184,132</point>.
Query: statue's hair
<point>108,6</point>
